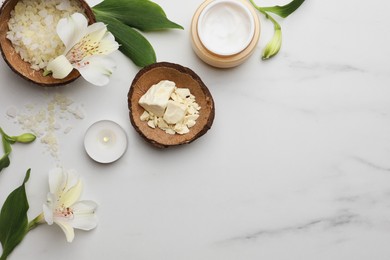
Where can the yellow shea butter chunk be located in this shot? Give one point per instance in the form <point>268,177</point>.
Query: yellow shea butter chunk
<point>175,112</point>
<point>155,100</point>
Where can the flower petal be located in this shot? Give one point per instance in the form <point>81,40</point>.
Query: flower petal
<point>72,195</point>
<point>72,29</point>
<point>88,44</point>
<point>84,215</point>
<point>66,186</point>
<point>92,3</point>
<point>96,69</point>
<point>96,31</point>
<point>107,44</point>
<point>67,228</point>
<point>60,67</point>
<point>48,209</point>
<point>56,180</point>
<point>61,180</point>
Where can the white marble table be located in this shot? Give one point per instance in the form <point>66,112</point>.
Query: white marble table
<point>296,165</point>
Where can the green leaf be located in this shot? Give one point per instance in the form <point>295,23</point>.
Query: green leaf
<point>285,10</point>
<point>144,15</point>
<point>133,44</point>
<point>4,161</point>
<point>13,219</point>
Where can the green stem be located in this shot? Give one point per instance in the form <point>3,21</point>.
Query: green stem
<point>273,46</point>
<point>35,222</point>
<point>31,225</point>
<point>6,145</point>
<point>7,137</point>
<point>269,17</point>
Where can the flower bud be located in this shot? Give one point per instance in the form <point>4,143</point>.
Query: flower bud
<point>274,45</point>
<point>25,138</point>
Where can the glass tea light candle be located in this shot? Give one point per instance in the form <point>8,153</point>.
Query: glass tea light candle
<point>225,33</point>
<point>105,141</point>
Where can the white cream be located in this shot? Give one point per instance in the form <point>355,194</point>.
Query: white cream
<point>226,27</point>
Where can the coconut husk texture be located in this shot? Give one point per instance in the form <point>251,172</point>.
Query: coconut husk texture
<point>14,60</point>
<point>184,78</point>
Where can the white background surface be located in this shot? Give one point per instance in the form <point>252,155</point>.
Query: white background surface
<point>296,165</point>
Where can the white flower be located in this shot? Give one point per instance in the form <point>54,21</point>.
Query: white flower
<point>86,48</point>
<point>92,3</point>
<point>63,206</point>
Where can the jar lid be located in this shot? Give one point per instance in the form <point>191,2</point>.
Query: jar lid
<point>225,32</point>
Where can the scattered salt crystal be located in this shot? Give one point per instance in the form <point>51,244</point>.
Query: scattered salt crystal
<point>68,129</point>
<point>76,111</point>
<point>12,112</point>
<point>45,122</point>
<point>29,106</point>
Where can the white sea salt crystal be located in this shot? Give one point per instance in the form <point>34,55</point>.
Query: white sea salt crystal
<point>42,13</point>
<point>34,22</point>
<point>34,46</point>
<point>65,5</point>
<point>49,20</point>
<point>27,41</point>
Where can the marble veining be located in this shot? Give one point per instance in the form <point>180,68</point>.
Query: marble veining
<point>340,220</point>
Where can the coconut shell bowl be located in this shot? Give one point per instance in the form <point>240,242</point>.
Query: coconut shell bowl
<point>184,78</point>
<point>15,62</point>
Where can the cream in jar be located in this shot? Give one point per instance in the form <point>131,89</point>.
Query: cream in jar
<point>226,27</point>
<point>225,33</point>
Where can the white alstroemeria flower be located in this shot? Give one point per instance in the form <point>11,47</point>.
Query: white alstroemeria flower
<point>63,206</point>
<point>92,3</point>
<point>86,48</point>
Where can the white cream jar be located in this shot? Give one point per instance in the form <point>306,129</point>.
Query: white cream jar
<point>225,32</point>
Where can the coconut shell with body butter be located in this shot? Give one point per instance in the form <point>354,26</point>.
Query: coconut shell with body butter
<point>183,78</point>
